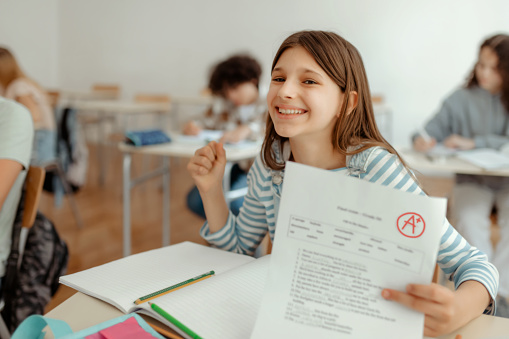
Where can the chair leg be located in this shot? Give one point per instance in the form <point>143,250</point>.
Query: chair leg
<point>70,196</point>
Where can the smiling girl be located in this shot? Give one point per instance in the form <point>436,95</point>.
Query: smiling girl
<point>320,114</point>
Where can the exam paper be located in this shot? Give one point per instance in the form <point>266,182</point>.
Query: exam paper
<point>339,241</point>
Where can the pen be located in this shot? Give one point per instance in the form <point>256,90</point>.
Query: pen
<point>173,287</point>
<point>174,321</point>
<point>424,134</point>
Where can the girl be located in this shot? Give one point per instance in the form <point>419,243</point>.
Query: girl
<point>477,116</point>
<point>15,85</point>
<point>320,114</point>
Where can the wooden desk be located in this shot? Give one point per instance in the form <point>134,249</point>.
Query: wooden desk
<point>81,311</point>
<point>166,151</point>
<point>452,164</point>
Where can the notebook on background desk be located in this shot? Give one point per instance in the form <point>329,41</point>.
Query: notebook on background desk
<point>224,306</point>
<point>486,158</point>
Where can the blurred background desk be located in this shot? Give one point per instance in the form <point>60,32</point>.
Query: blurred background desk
<point>174,149</point>
<point>448,165</point>
<point>109,110</point>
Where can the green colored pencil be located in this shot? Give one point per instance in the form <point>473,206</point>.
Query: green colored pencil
<point>174,321</point>
<point>174,287</point>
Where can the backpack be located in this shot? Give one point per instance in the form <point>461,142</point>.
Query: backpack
<point>71,150</point>
<point>28,290</point>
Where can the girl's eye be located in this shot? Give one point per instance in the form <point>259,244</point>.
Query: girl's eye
<point>310,82</point>
<point>278,79</point>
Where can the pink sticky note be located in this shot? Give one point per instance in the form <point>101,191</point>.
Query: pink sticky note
<point>128,329</point>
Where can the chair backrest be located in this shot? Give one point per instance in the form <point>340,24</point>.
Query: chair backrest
<point>146,97</point>
<point>111,90</point>
<point>34,182</point>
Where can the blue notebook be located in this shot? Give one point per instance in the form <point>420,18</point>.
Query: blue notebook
<point>146,137</point>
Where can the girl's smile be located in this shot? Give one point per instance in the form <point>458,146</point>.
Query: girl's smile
<point>290,112</point>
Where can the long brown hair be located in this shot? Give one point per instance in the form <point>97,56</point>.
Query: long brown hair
<point>499,44</point>
<point>9,68</point>
<point>343,64</point>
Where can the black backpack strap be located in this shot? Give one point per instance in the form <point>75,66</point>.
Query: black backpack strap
<point>10,279</point>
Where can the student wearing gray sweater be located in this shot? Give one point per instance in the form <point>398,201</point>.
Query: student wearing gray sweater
<point>477,116</point>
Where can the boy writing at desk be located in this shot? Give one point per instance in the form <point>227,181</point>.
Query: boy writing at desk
<point>239,113</point>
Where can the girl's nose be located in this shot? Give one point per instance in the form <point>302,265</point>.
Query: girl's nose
<point>288,90</point>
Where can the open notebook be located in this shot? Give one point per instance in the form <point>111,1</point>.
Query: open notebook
<point>224,306</point>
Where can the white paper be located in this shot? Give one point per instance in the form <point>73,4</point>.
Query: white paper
<point>486,158</point>
<point>221,307</point>
<point>339,241</point>
<point>123,281</point>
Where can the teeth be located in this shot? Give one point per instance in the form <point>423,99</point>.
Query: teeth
<point>290,111</point>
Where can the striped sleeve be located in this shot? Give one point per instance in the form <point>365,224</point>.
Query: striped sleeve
<point>459,261</point>
<point>243,233</point>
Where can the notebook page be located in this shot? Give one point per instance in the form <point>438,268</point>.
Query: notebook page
<point>486,158</point>
<point>224,306</point>
<point>123,281</point>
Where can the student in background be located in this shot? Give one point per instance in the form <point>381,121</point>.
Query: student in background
<point>321,114</point>
<point>477,116</point>
<point>15,85</point>
<point>16,137</point>
<point>239,112</point>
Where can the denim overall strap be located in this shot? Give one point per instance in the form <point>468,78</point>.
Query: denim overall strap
<point>357,164</point>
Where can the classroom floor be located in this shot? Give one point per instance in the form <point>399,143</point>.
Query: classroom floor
<point>100,240</point>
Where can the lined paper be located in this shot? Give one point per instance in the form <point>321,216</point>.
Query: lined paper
<point>223,307</point>
<point>123,281</point>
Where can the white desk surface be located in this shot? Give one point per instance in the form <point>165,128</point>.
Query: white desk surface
<point>81,311</point>
<point>121,107</point>
<point>186,150</point>
<point>421,162</point>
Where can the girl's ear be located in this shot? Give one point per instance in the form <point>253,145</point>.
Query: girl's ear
<point>353,98</point>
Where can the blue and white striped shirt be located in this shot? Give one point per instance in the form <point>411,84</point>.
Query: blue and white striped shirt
<point>242,234</point>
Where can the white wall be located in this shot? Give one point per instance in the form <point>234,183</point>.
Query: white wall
<point>29,28</point>
<point>415,53</point>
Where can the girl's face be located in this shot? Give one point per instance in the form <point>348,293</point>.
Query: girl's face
<point>486,71</point>
<point>303,100</point>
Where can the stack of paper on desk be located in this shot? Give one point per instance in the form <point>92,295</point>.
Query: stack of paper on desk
<point>223,306</point>
<point>339,241</point>
<point>486,158</point>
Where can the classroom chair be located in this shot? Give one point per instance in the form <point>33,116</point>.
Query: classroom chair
<point>55,167</point>
<point>110,92</point>
<point>33,188</point>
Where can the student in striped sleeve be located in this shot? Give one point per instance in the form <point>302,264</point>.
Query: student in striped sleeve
<point>320,114</point>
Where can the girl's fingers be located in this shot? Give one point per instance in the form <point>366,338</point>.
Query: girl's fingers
<point>416,303</point>
<point>194,168</point>
<point>220,152</point>
<point>434,292</point>
<point>208,151</point>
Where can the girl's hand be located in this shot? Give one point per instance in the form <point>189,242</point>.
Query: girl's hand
<point>207,167</point>
<point>442,311</point>
<point>240,133</point>
<point>457,141</point>
<point>191,128</point>
<point>421,145</point>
